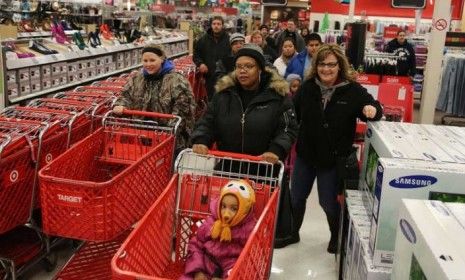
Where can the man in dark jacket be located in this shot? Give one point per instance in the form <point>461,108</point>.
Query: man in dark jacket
<point>226,64</point>
<point>290,32</point>
<point>211,47</point>
<point>269,40</point>
<point>303,61</point>
<point>406,64</point>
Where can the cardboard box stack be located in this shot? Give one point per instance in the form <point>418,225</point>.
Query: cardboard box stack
<point>430,241</point>
<point>403,160</point>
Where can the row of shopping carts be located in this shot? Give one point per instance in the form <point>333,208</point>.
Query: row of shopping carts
<point>104,174</point>
<point>32,136</point>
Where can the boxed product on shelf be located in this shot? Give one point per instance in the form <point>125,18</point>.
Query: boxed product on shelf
<point>99,61</point>
<point>36,85</point>
<point>366,269</point>
<point>46,82</point>
<point>82,64</point>
<point>429,242</point>
<point>56,82</point>
<point>12,90</point>
<point>46,70</point>
<point>59,68</point>
<point>23,74</point>
<point>73,67</point>
<point>11,77</point>
<point>34,72</point>
<point>99,70</point>
<point>73,76</point>
<point>120,64</point>
<point>403,178</point>
<point>82,74</point>
<point>24,87</point>
<point>91,72</point>
<point>63,79</point>
<point>112,66</point>
<point>119,57</point>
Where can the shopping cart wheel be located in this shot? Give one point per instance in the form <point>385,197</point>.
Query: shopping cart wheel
<point>49,262</point>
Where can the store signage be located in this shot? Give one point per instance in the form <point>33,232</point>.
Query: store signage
<point>370,79</point>
<point>224,10</point>
<point>163,8</point>
<point>390,32</point>
<point>396,80</point>
<point>416,4</point>
<point>439,24</point>
<point>455,39</point>
<point>274,2</point>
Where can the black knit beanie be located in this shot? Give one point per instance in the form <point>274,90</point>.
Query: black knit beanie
<point>253,51</point>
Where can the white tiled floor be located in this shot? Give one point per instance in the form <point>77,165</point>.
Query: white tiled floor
<point>307,259</point>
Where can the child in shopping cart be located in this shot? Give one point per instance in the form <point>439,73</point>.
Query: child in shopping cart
<point>220,239</point>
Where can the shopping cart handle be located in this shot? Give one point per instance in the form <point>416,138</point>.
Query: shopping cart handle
<point>234,155</point>
<point>147,114</point>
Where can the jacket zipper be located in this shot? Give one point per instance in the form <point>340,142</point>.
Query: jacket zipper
<point>242,123</point>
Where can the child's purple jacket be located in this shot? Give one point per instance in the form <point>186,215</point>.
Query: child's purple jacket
<point>206,254</point>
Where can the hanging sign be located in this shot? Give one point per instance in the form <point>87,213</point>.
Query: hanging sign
<point>163,8</point>
<point>225,10</point>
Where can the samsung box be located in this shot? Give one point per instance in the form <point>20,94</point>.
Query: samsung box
<point>400,178</point>
<point>424,249</point>
<point>396,140</point>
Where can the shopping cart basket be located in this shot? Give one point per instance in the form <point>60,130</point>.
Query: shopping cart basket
<point>147,253</point>
<point>104,83</point>
<point>19,145</point>
<point>106,182</point>
<point>111,90</point>
<point>92,260</point>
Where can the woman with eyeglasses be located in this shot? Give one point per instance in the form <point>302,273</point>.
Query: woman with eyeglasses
<point>327,106</point>
<point>250,112</point>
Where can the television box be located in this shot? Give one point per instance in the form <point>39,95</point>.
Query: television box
<point>414,179</point>
<point>458,210</point>
<point>446,140</point>
<point>424,248</point>
<point>366,269</point>
<point>396,140</point>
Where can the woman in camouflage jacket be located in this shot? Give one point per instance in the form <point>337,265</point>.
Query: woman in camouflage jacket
<point>159,88</point>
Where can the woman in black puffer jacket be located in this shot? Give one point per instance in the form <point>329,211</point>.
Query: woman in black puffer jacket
<point>250,113</point>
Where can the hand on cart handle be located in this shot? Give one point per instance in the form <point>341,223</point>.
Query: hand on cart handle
<point>118,110</point>
<point>270,157</point>
<point>200,149</point>
<point>146,114</point>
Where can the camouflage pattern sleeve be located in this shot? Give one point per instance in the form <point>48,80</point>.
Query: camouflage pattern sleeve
<point>126,98</point>
<point>183,106</point>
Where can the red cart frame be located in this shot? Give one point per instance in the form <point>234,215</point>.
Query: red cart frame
<point>148,252</point>
<point>104,184</point>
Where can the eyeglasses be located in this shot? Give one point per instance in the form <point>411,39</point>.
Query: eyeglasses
<point>329,65</point>
<point>246,67</point>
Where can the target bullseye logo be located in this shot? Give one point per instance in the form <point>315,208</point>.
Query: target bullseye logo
<point>48,158</point>
<point>14,175</point>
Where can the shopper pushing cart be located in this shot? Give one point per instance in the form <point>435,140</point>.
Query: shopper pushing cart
<point>183,210</point>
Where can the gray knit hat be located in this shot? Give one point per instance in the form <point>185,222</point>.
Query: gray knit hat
<point>292,77</point>
<point>236,37</point>
<point>253,51</point>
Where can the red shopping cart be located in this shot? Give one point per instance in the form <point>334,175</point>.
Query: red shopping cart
<point>18,156</point>
<point>106,182</point>
<point>148,251</point>
<point>114,83</point>
<point>97,89</point>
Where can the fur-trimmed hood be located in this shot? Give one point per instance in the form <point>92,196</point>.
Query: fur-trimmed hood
<point>274,80</point>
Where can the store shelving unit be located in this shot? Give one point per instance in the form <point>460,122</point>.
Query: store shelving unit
<point>32,77</point>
